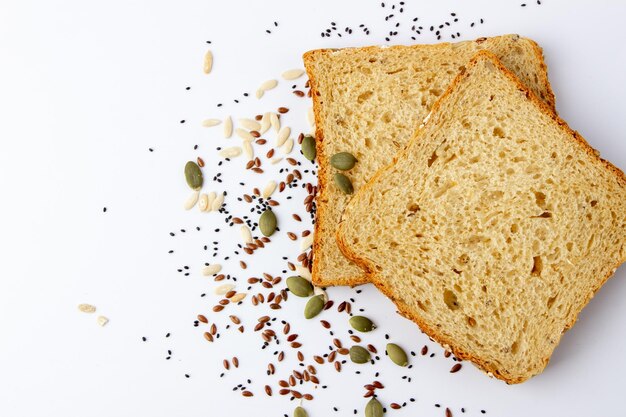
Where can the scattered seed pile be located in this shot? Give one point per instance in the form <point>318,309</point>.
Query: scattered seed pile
<point>268,145</point>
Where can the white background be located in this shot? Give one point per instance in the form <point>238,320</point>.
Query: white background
<point>87,87</point>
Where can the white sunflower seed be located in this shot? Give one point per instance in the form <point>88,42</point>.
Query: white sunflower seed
<point>276,160</point>
<point>238,297</point>
<point>268,85</point>
<point>246,235</point>
<point>87,308</point>
<point>247,149</point>
<point>250,124</point>
<point>292,74</point>
<point>306,242</point>
<point>303,272</point>
<point>203,202</point>
<point>223,289</point>
<point>320,291</point>
<point>191,200</point>
<point>310,117</point>
<point>282,136</point>
<point>217,203</point>
<point>269,189</point>
<point>231,152</point>
<point>244,134</point>
<point>211,269</point>
<point>275,121</point>
<point>265,123</point>
<point>102,321</point>
<point>208,62</point>
<point>211,200</point>
<point>228,127</point>
<point>211,122</point>
<point>287,146</point>
<point>259,93</point>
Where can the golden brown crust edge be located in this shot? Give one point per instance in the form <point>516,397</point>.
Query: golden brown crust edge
<point>403,309</point>
<point>308,59</point>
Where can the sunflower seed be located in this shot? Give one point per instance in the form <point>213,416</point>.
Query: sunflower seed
<point>259,93</point>
<point>191,200</point>
<point>247,149</point>
<point>86,308</point>
<point>210,200</point>
<point>238,297</point>
<point>267,223</point>
<point>246,235</point>
<point>228,127</point>
<point>306,242</point>
<point>203,202</point>
<point>358,354</point>
<point>211,122</point>
<point>343,161</point>
<point>374,409</point>
<point>208,62</point>
<point>265,123</point>
<point>362,324</point>
<point>217,203</point>
<point>231,152</point>
<point>308,147</point>
<point>287,146</point>
<point>268,85</point>
<point>310,117</point>
<point>244,134</point>
<point>314,306</point>
<point>397,354</point>
<point>292,74</point>
<point>193,175</point>
<point>276,160</point>
<point>299,286</point>
<point>269,189</point>
<point>343,183</point>
<point>250,124</point>
<point>282,136</point>
<point>275,122</point>
<point>319,291</point>
<point>211,269</point>
<point>304,272</point>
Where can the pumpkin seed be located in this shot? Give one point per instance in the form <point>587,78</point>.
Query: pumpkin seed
<point>343,161</point>
<point>362,324</point>
<point>308,147</point>
<point>314,306</point>
<point>343,183</point>
<point>358,354</point>
<point>300,412</point>
<point>299,286</point>
<point>193,175</point>
<point>267,223</point>
<point>397,354</point>
<point>374,408</point>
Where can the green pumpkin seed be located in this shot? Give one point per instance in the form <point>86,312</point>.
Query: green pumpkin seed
<point>299,286</point>
<point>343,161</point>
<point>362,324</point>
<point>374,408</point>
<point>267,223</point>
<point>308,147</point>
<point>193,175</point>
<point>358,354</point>
<point>343,183</point>
<point>314,306</point>
<point>300,412</point>
<point>397,354</point>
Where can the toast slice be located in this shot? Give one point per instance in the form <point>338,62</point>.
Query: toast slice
<point>494,227</point>
<point>368,101</point>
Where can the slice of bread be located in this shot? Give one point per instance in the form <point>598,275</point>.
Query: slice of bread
<point>494,227</point>
<point>368,101</point>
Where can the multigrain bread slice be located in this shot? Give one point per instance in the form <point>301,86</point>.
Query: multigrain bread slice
<point>368,101</point>
<point>494,227</point>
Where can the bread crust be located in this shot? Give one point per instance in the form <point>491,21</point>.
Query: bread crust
<point>403,309</point>
<point>309,57</point>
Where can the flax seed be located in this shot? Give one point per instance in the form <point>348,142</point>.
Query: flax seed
<point>202,319</point>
